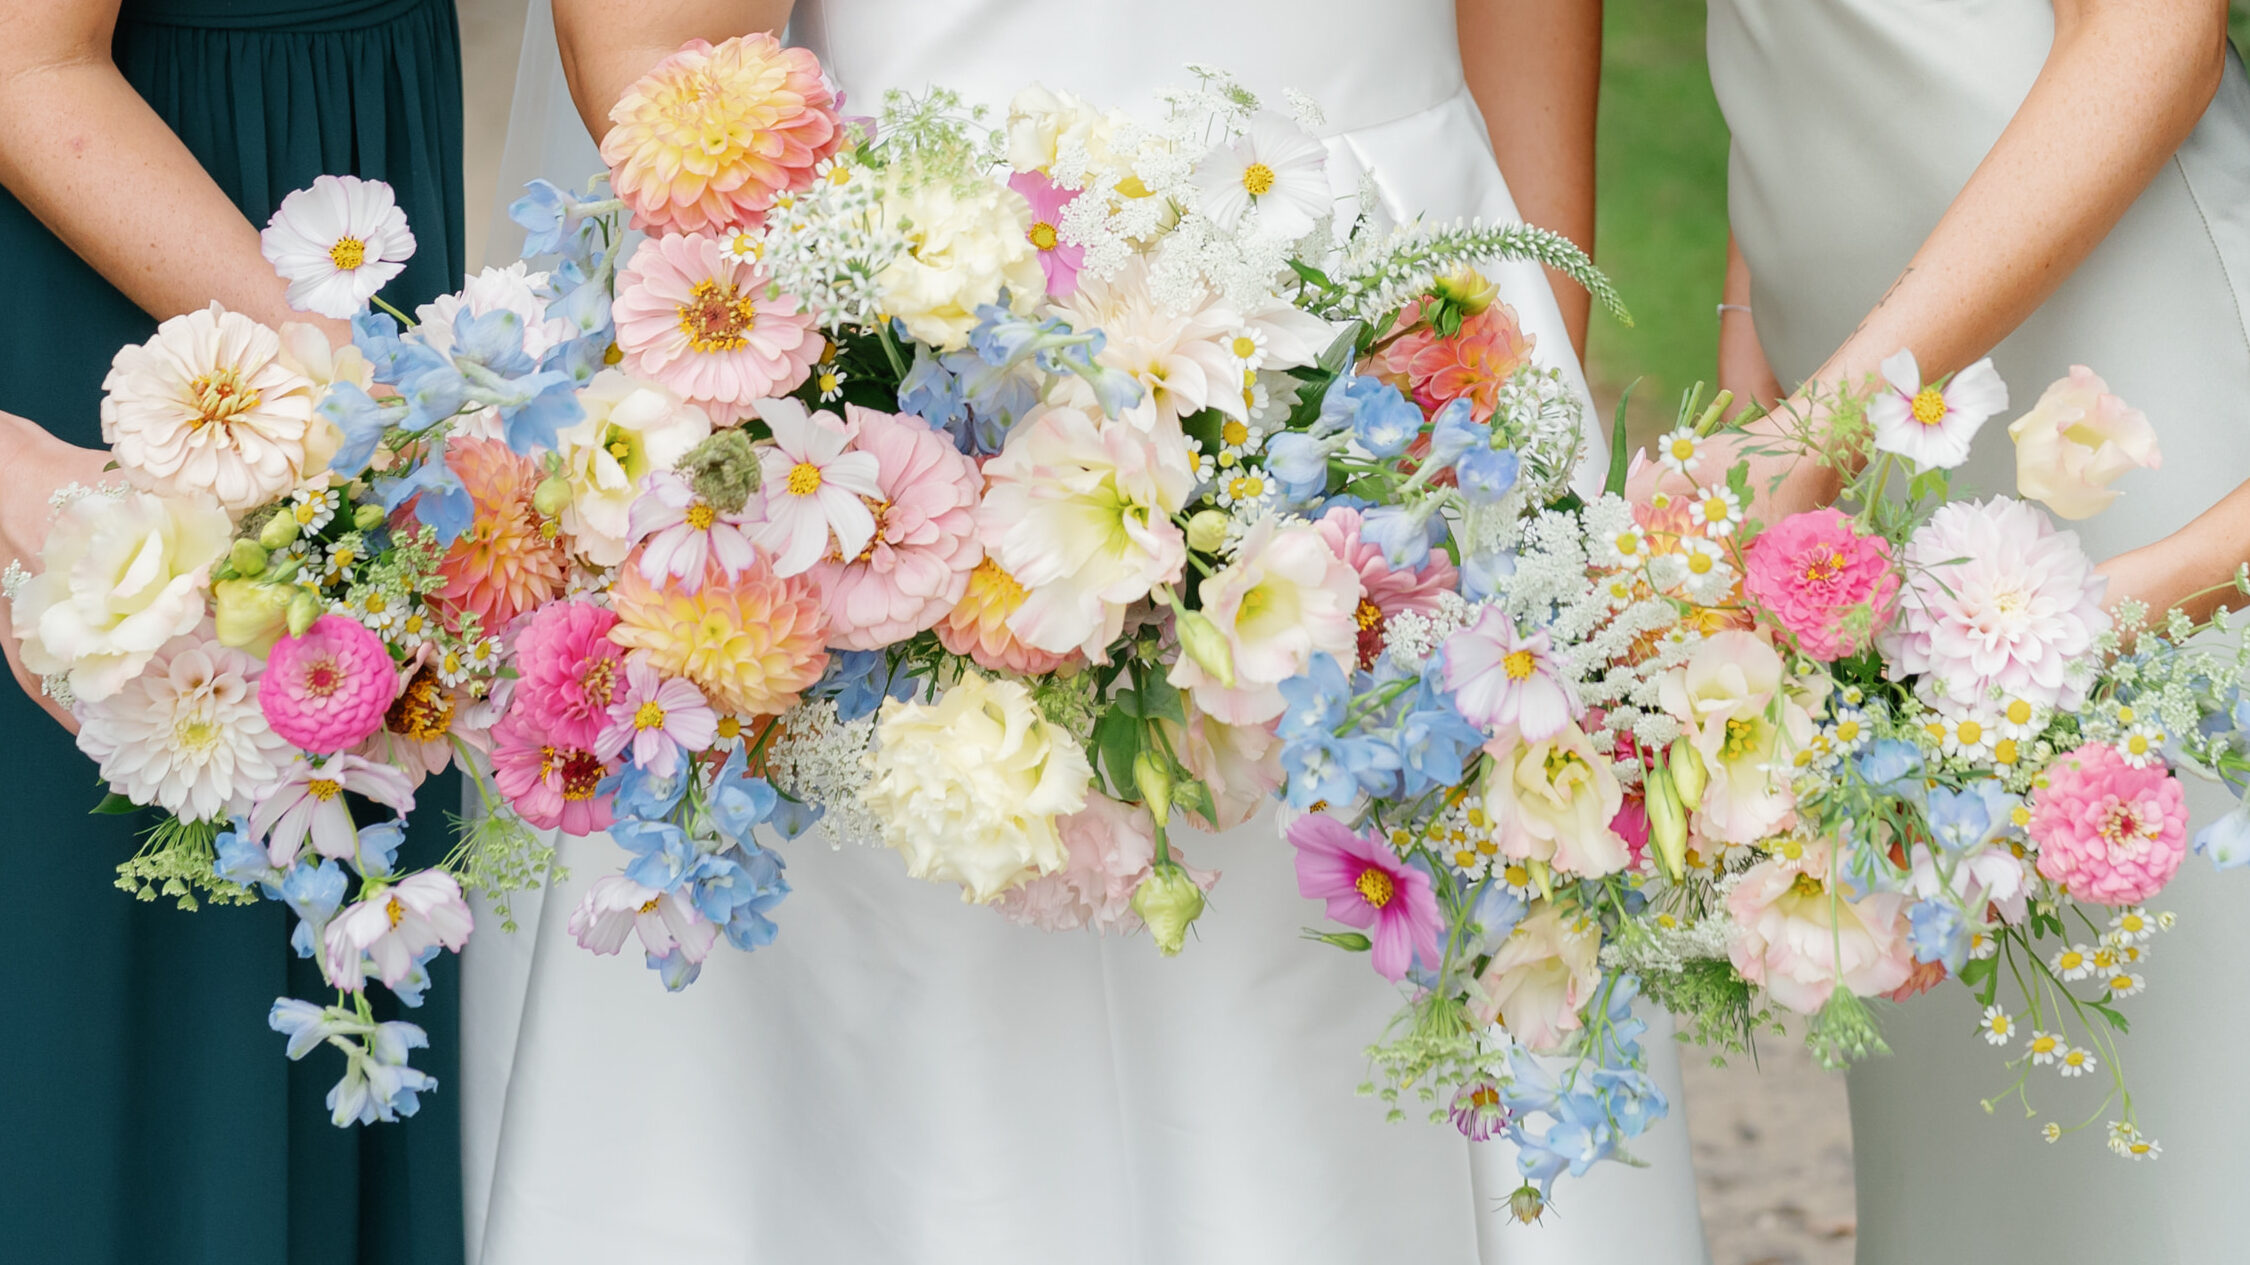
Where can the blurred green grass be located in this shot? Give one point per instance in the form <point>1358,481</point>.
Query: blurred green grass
<point>1661,219</point>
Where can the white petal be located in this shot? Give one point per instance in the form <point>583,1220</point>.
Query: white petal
<point>1902,372</point>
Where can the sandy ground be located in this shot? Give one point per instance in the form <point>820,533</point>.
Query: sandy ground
<point>1773,1150</point>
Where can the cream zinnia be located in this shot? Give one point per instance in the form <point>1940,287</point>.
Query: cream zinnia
<point>209,405</point>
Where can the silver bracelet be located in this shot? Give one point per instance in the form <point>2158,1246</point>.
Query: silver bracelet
<point>1725,308</point>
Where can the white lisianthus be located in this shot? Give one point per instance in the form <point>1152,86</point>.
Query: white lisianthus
<point>1274,170</point>
<point>2076,441</point>
<point>1552,800</point>
<point>337,243</point>
<point>120,575</point>
<point>1041,122</point>
<point>515,288</point>
<point>966,242</point>
<point>968,788</point>
<point>1079,511</point>
<point>631,428</point>
<point>187,734</point>
<point>1285,598</point>
<point>209,405</point>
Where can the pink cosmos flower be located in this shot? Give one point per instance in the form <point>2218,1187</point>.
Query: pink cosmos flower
<point>570,672</point>
<point>308,803</point>
<point>696,320</point>
<point>681,533</point>
<point>1384,590</point>
<point>658,717</point>
<point>616,906</point>
<point>1058,259</point>
<point>1931,426</point>
<point>1285,598</point>
<point>1812,571</point>
<point>393,927</point>
<point>549,786</point>
<point>1798,938</point>
<point>1366,885</point>
<point>1504,680</point>
<point>816,489</point>
<point>916,566</point>
<point>327,690</point>
<point>2110,833</point>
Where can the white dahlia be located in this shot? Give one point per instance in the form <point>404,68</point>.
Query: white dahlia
<point>209,405</point>
<point>1996,598</point>
<point>187,733</point>
<point>337,243</point>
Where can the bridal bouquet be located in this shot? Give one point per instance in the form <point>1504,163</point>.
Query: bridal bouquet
<point>1666,751</point>
<point>971,488</point>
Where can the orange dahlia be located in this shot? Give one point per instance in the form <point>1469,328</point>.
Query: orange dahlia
<point>708,139</point>
<point>751,641</point>
<point>511,558</point>
<point>1476,362</point>
<point>977,626</point>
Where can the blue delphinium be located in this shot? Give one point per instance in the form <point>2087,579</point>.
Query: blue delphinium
<point>1938,933</point>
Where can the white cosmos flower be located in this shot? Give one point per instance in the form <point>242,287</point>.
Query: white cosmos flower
<point>337,243</point>
<point>813,489</point>
<point>187,734</point>
<point>210,405</point>
<point>1275,169</point>
<point>1931,426</point>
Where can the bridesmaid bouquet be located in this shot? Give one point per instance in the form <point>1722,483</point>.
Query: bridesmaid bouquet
<point>984,491</point>
<point>1740,769</point>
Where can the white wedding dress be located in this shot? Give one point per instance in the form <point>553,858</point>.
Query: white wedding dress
<point>903,1078</point>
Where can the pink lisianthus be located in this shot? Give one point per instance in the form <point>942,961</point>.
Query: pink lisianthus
<point>327,690</point>
<point>393,927</point>
<point>1367,885</point>
<point>916,566</point>
<point>1285,598</point>
<point>1542,976</point>
<point>1384,590</point>
<point>2108,832</point>
<point>570,672</point>
<point>549,786</point>
<point>658,718</point>
<point>706,325</point>
<point>1798,938</point>
<point>1239,764</point>
<point>616,907</point>
<point>1505,681</point>
<point>711,135</point>
<point>1110,847</point>
<point>308,803</point>
<point>681,533</point>
<point>1058,259</point>
<point>1816,574</point>
<point>977,626</point>
<point>1475,363</point>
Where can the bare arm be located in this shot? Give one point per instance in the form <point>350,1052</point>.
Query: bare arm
<point>607,44</point>
<point>2192,567</point>
<point>1742,358</point>
<point>1534,67</point>
<point>2123,85</point>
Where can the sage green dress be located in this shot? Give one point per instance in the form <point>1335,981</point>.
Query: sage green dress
<point>147,1114</point>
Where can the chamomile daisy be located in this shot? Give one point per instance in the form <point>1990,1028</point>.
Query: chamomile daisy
<point>2076,1061</point>
<point>2131,925</point>
<point>1998,1025</point>
<point>2124,983</point>
<point>2141,744</point>
<point>314,508</point>
<point>1717,510</point>
<point>2044,1047</point>
<point>1680,451</point>
<point>2073,963</point>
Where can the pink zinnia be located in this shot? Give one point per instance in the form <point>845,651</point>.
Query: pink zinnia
<point>2109,832</point>
<point>1058,259</point>
<point>1366,885</point>
<point>680,533</point>
<point>693,319</point>
<point>657,717</point>
<point>1384,590</point>
<point>1506,680</point>
<point>917,565</point>
<point>570,672</point>
<point>393,927</point>
<point>1812,571</point>
<point>551,787</point>
<point>1476,362</point>
<point>327,690</point>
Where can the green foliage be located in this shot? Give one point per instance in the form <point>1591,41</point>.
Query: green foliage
<point>176,860</point>
<point>498,854</point>
<point>1712,1004</point>
<point>1844,1032</point>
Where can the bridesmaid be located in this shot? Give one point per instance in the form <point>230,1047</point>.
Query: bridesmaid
<point>149,1113</point>
<point>2048,182</point>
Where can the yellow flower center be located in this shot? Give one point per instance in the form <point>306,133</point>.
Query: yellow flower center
<point>323,789</point>
<point>715,317</point>
<point>1824,566</point>
<point>1519,665</point>
<point>650,716</point>
<point>1715,509</point>
<point>700,516</point>
<point>1929,406</point>
<point>829,382</point>
<point>2005,751</point>
<point>1683,448</point>
<point>1367,614</point>
<point>1741,740</point>
<point>219,397</point>
<point>1970,733</point>
<point>804,479</point>
<point>1806,885</point>
<point>1699,563</point>
<point>1375,887</point>
<point>1234,432</point>
<point>1847,731</point>
<point>1257,180</point>
<point>730,728</point>
<point>649,906</point>
<point>1043,236</point>
<point>1247,488</point>
<point>195,735</point>
<point>396,910</point>
<point>1243,346</point>
<point>2019,712</point>
<point>306,512</point>
<point>1628,544</point>
<point>600,682</point>
<point>348,253</point>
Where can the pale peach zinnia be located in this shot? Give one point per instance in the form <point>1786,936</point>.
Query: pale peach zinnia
<point>209,406</point>
<point>703,324</point>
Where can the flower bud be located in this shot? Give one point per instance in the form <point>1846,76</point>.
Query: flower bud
<point>248,557</point>
<point>1168,901</point>
<point>1206,531</point>
<point>1689,776</point>
<point>1667,822</point>
<point>1467,289</point>
<point>304,608</point>
<point>1349,941</point>
<point>279,532</point>
<point>1202,641</point>
<point>552,496</point>
<point>249,614</point>
<point>367,517</point>
<point>1152,776</point>
<point>1525,1205</point>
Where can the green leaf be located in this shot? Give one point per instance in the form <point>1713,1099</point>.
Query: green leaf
<point>1160,700</point>
<point>1343,351</point>
<point>2109,1012</point>
<point>1982,975</point>
<point>1618,456</point>
<point>1117,736</point>
<point>1310,275</point>
<point>115,805</point>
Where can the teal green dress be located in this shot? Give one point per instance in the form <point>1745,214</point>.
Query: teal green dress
<point>147,1114</point>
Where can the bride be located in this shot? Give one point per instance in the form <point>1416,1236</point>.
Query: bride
<point>902,1078</point>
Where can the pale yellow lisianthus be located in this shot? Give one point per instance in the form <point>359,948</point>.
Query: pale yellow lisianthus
<point>1747,726</point>
<point>1553,800</point>
<point>2076,441</point>
<point>967,241</point>
<point>631,427</point>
